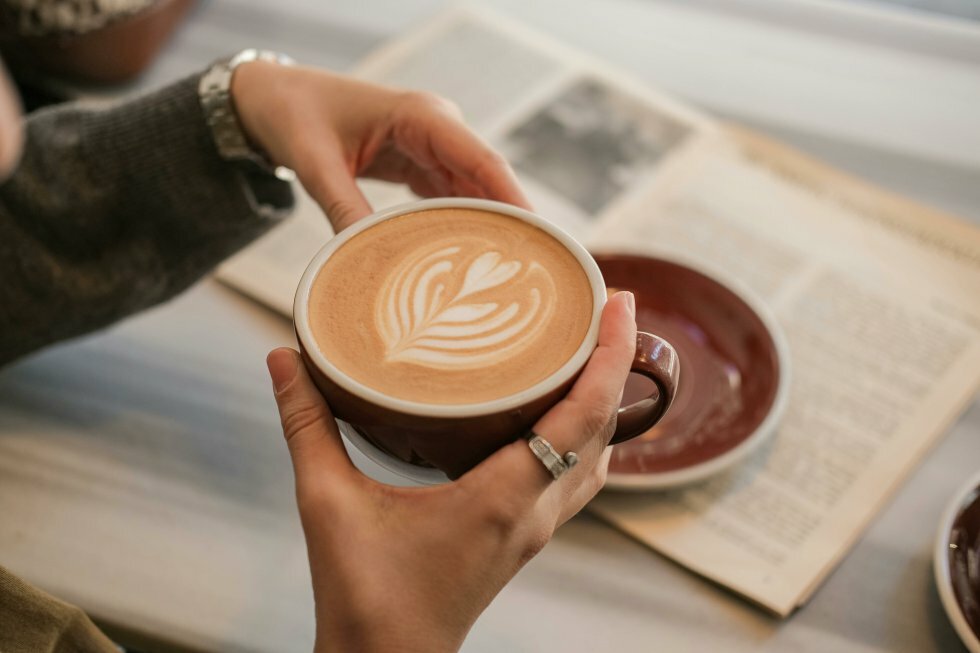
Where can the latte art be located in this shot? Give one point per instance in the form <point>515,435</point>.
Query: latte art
<point>439,308</point>
<point>450,306</point>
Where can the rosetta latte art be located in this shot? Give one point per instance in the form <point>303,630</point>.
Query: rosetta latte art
<point>462,305</point>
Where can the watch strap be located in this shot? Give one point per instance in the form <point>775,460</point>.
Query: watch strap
<point>214,90</point>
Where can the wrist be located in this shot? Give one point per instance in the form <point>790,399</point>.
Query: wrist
<point>382,644</point>
<point>251,82</point>
<point>383,631</point>
<point>222,107</point>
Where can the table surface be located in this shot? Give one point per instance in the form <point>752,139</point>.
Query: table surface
<point>142,472</point>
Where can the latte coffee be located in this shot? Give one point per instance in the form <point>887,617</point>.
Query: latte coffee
<point>450,306</point>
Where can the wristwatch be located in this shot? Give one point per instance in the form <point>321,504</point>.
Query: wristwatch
<point>214,91</point>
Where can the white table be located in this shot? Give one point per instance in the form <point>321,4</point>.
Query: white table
<point>142,472</point>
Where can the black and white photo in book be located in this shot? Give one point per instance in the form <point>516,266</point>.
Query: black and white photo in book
<point>591,143</point>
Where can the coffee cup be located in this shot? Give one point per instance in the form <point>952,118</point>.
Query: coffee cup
<point>444,329</point>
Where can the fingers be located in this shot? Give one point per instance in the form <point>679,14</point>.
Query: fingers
<point>307,423</point>
<point>434,181</point>
<point>583,422</point>
<point>430,132</point>
<point>331,183</point>
<point>586,490</point>
<point>430,183</point>
<point>475,163</point>
<point>419,140</point>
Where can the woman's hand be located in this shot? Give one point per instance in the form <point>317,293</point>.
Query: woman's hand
<point>410,569</point>
<point>331,129</point>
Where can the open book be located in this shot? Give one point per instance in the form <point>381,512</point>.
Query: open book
<point>879,297</point>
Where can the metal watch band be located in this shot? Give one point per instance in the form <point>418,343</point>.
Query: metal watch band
<point>214,91</point>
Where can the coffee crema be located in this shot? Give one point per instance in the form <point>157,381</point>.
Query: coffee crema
<point>450,306</point>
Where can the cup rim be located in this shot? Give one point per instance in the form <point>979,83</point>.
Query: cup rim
<point>575,363</point>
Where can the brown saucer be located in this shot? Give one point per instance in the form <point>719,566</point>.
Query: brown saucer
<point>732,372</point>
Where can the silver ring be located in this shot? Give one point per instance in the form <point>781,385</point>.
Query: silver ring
<point>552,461</point>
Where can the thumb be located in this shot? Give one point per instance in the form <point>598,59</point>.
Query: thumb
<point>311,434</point>
<point>334,188</point>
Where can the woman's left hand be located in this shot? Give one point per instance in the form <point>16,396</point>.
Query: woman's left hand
<point>331,129</point>
<point>411,569</point>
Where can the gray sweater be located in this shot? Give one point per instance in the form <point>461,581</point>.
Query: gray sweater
<point>112,210</point>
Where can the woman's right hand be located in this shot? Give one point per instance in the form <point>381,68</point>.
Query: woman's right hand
<point>331,129</point>
<point>411,569</point>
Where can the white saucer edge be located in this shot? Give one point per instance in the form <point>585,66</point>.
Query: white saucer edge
<point>407,471</point>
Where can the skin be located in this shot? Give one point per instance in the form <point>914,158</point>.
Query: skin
<point>406,569</point>
<point>411,569</point>
<point>11,126</point>
<point>418,139</point>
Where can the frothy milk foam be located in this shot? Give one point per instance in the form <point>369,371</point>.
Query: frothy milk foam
<point>450,306</point>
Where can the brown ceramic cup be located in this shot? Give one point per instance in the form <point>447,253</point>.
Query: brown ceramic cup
<point>455,437</point>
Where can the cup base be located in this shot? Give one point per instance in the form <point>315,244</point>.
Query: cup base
<point>414,473</point>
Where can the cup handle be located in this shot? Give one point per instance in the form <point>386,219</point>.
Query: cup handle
<point>656,360</point>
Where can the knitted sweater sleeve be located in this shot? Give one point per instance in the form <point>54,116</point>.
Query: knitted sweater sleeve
<point>114,209</point>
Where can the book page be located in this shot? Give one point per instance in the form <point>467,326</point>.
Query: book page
<point>880,302</point>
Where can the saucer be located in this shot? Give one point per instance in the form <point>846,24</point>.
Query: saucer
<point>956,560</point>
<point>416,474</point>
<point>734,371</point>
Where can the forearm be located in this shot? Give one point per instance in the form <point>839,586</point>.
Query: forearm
<point>113,210</point>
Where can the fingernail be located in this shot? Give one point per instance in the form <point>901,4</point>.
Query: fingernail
<point>630,302</point>
<point>282,369</point>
